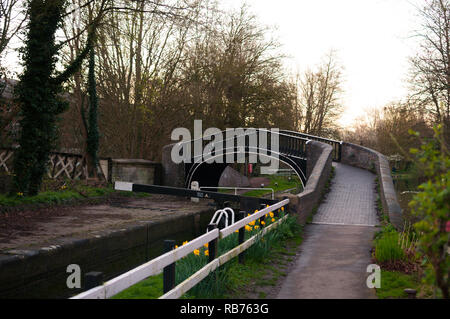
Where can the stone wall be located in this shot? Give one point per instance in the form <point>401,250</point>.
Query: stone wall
<point>173,175</point>
<point>376,162</point>
<point>135,171</point>
<point>41,272</point>
<point>319,161</point>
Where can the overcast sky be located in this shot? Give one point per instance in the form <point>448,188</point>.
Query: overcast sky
<point>373,40</point>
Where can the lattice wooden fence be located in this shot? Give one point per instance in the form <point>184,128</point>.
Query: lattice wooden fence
<point>60,165</point>
<point>66,165</point>
<point>6,156</point>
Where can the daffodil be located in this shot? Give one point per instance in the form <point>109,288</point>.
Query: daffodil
<point>252,223</point>
<point>248,228</point>
<point>196,252</point>
<point>282,209</point>
<point>176,246</point>
<point>273,219</point>
<point>206,252</point>
<point>271,214</point>
<point>256,227</point>
<point>185,242</point>
<point>263,222</point>
<point>206,245</point>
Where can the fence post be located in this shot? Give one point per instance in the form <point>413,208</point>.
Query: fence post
<point>212,245</point>
<point>411,293</point>
<point>92,279</point>
<point>241,236</point>
<point>169,271</point>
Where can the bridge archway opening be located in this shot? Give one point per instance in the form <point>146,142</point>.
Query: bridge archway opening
<point>209,174</point>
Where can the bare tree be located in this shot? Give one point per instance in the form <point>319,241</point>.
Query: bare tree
<point>320,92</point>
<point>431,66</point>
<point>12,18</point>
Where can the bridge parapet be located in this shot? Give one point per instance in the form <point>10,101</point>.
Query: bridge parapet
<point>320,158</point>
<point>366,158</point>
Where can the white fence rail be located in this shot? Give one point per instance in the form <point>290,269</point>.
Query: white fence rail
<point>156,266</point>
<point>189,283</point>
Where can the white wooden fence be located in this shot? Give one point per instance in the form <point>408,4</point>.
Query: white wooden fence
<point>156,266</point>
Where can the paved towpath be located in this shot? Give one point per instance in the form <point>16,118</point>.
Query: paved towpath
<point>336,251</point>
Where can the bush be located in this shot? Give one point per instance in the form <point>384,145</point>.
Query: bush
<point>432,207</point>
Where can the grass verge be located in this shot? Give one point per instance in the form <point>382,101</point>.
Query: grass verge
<point>66,194</point>
<point>393,284</point>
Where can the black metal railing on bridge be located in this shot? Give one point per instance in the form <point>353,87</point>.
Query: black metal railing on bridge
<point>337,145</point>
<point>287,148</point>
<point>236,144</point>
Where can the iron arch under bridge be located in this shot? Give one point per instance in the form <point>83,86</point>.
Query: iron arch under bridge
<point>290,149</point>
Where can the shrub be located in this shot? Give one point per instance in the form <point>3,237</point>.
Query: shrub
<point>432,206</point>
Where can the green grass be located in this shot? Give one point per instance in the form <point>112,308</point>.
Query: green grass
<point>278,183</point>
<point>388,248</point>
<point>230,279</point>
<point>150,288</point>
<point>393,284</point>
<point>62,196</point>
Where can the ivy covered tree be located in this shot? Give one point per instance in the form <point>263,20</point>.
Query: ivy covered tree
<point>92,140</point>
<point>39,92</point>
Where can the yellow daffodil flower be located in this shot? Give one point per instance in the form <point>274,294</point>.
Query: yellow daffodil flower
<point>196,252</point>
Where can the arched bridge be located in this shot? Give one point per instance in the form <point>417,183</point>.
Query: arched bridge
<point>204,159</point>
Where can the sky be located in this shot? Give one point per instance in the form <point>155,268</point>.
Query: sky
<point>373,40</point>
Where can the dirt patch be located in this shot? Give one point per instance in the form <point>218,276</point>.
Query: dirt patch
<point>38,226</point>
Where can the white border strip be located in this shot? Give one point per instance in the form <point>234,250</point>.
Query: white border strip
<point>343,224</point>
